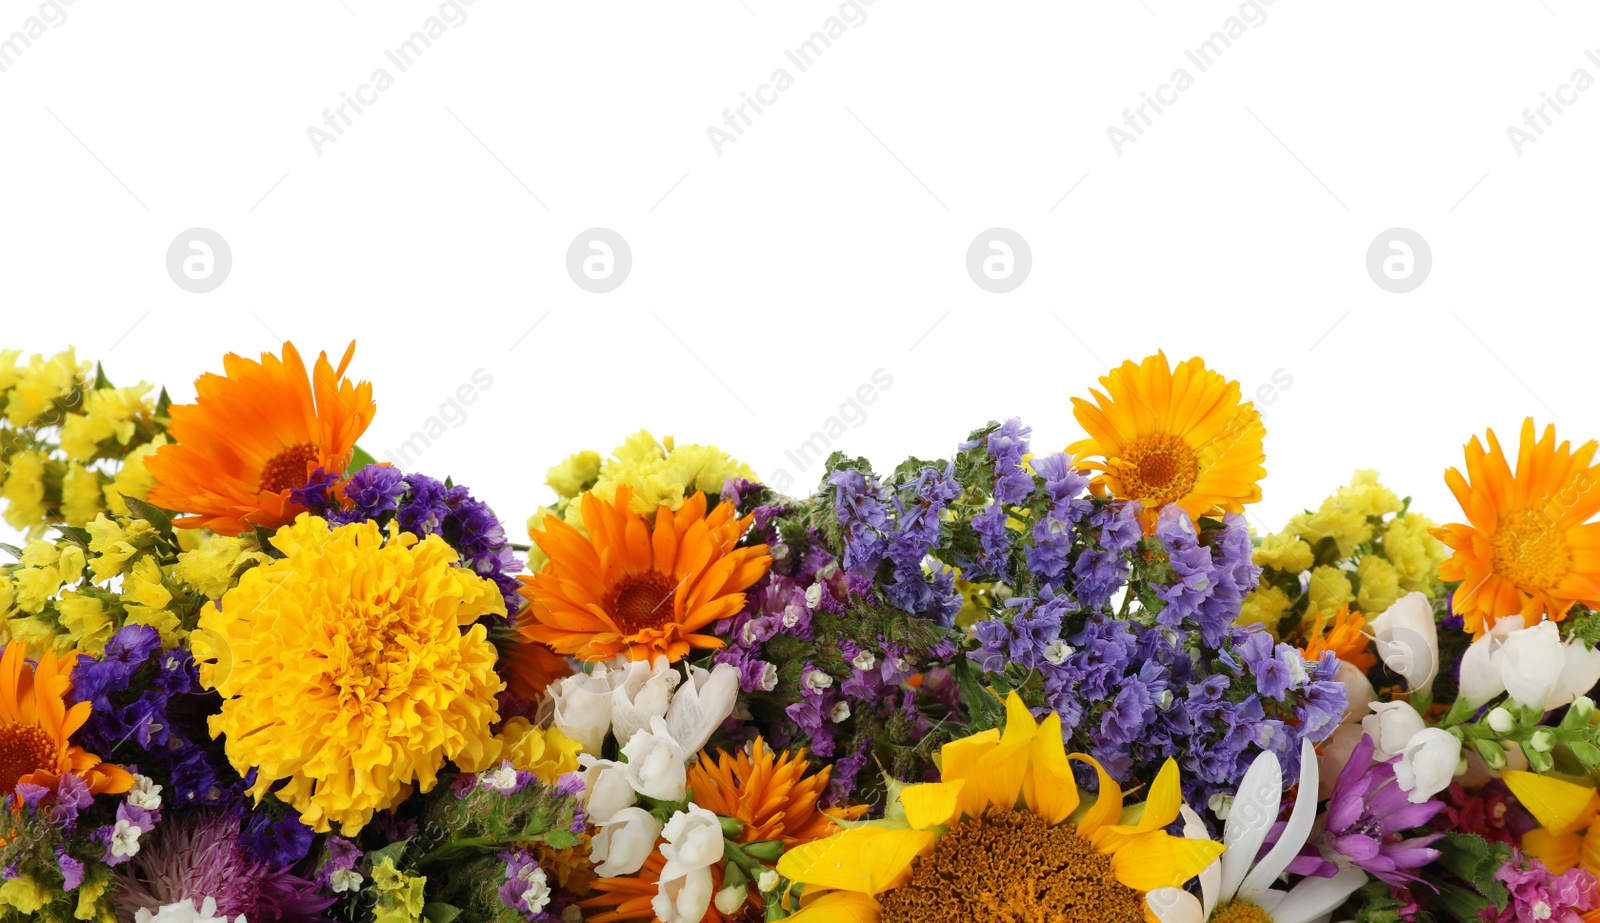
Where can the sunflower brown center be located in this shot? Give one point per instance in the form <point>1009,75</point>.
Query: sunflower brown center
<point>1530,551</point>
<point>1158,468</point>
<point>1240,912</point>
<point>287,469</point>
<point>24,748</point>
<point>1011,867</point>
<point>642,601</point>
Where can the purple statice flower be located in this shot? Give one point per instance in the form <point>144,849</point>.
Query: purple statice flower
<point>279,843</point>
<point>72,872</point>
<point>862,508</point>
<point>1103,569</point>
<point>32,794</point>
<point>919,510</point>
<point>1213,577</point>
<point>373,491</point>
<point>316,495</point>
<point>430,507</point>
<point>527,886</point>
<point>1538,896</point>
<point>342,858</point>
<point>1007,445</point>
<point>1364,824</point>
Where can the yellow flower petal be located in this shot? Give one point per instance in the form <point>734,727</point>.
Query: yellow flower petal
<point>959,762</point>
<point>1160,860</point>
<point>1560,807</point>
<point>1558,852</point>
<point>866,860</point>
<point>840,907</point>
<point>932,803</point>
<point>1049,787</point>
<point>1107,807</point>
<point>1002,769</point>
<point>1160,809</point>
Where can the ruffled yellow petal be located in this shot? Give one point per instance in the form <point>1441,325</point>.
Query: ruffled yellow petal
<point>1107,807</point>
<point>1049,787</point>
<point>1160,860</point>
<point>933,803</point>
<point>866,860</point>
<point>840,907</point>
<point>1558,806</point>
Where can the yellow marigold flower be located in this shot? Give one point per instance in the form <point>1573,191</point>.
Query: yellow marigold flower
<point>42,383</point>
<point>547,753</point>
<point>1409,545</point>
<point>1264,605</point>
<point>1328,590</point>
<point>1284,551</point>
<point>107,413</point>
<point>574,475</point>
<point>80,495</point>
<point>212,567</point>
<point>133,479</point>
<point>24,492</point>
<point>1380,584</point>
<point>85,619</point>
<point>350,670</point>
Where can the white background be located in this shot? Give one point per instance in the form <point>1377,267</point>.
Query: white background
<point>772,279</point>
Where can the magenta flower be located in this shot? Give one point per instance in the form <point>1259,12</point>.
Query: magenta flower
<point>1540,897</point>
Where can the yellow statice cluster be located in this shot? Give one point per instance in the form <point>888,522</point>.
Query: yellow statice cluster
<point>71,444</point>
<point>351,670</point>
<point>75,592</point>
<point>1361,549</point>
<point>659,473</point>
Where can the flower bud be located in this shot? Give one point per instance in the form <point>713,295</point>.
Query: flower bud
<point>1588,754</point>
<point>1492,754</point>
<point>768,881</point>
<point>1500,721</point>
<point>731,826</point>
<point>1542,740</point>
<point>1581,711</point>
<point>731,898</point>
<point>764,850</point>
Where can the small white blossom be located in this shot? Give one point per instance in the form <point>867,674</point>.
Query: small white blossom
<point>840,712</point>
<point>345,880</point>
<point>125,839</point>
<point>537,894</point>
<point>864,661</point>
<point>769,678</point>
<point>813,596</point>
<point>145,793</point>
<point>1058,652</point>
<point>768,881</point>
<point>791,616</point>
<point>502,780</point>
<point>1220,805</point>
<point>816,681</point>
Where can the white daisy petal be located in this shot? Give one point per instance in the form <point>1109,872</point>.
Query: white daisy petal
<point>1174,905</point>
<point>1255,809</point>
<point>1294,833</point>
<point>1314,897</point>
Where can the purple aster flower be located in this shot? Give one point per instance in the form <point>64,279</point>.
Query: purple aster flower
<point>1364,824</point>
<point>72,796</point>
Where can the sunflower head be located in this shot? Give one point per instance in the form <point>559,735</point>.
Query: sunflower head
<point>253,435</point>
<point>1161,435</point>
<point>630,588</point>
<point>36,728</point>
<point>1005,834</point>
<point>1527,547</point>
<point>351,669</point>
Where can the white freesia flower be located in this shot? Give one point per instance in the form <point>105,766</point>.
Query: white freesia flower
<point>693,841</point>
<point>1581,673</point>
<point>1407,639</point>
<point>656,763</point>
<point>185,911</point>
<point>582,707</point>
<point>684,899</point>
<point>640,690</point>
<point>623,843</point>
<point>606,788</point>
<point>702,704</point>
<point>731,898</point>
<point>1391,726</point>
<point>1531,663</point>
<point>1428,763</point>
<point>1238,876</point>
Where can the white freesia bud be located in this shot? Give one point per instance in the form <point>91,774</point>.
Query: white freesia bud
<point>693,841</point>
<point>768,881</point>
<point>684,899</point>
<point>640,691</point>
<point>1407,639</point>
<point>731,898</point>
<point>623,843</point>
<point>1391,727</point>
<point>582,707</point>
<point>1428,763</point>
<point>655,764</point>
<point>702,704</point>
<point>1500,720</point>
<point>606,788</point>
<point>1531,664</point>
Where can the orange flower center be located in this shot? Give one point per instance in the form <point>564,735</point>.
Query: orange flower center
<point>642,601</point>
<point>1158,468</point>
<point>287,469</point>
<point>24,748</point>
<point>1012,866</point>
<point>1530,551</point>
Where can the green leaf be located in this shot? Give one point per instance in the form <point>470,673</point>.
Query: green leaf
<point>154,515</point>
<point>76,534</point>
<point>393,852</point>
<point>12,550</point>
<point>100,379</point>
<point>561,838</point>
<point>264,540</point>
<point>163,402</point>
<point>359,458</point>
<point>1474,860</point>
<point>440,912</point>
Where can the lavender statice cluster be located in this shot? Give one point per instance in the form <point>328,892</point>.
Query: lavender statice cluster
<point>895,529</point>
<point>150,710</point>
<point>1170,672</point>
<point>422,506</point>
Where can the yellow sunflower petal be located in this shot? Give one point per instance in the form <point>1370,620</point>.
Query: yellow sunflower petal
<point>1560,807</point>
<point>1558,852</point>
<point>1002,769</point>
<point>932,803</point>
<point>840,907</point>
<point>1160,809</point>
<point>1049,787</point>
<point>1160,860</point>
<point>1107,807</point>
<point>866,860</point>
<point>958,761</point>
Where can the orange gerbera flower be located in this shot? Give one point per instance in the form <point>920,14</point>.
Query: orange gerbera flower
<point>530,667</point>
<point>1344,638</point>
<point>1527,547</point>
<point>625,589</point>
<point>36,728</point>
<point>770,793</point>
<point>253,435</point>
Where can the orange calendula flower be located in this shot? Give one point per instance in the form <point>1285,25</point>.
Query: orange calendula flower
<point>1527,547</point>
<point>1161,435</point>
<point>1344,638</point>
<point>253,435</point>
<point>771,793</point>
<point>36,728</point>
<point>626,588</point>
